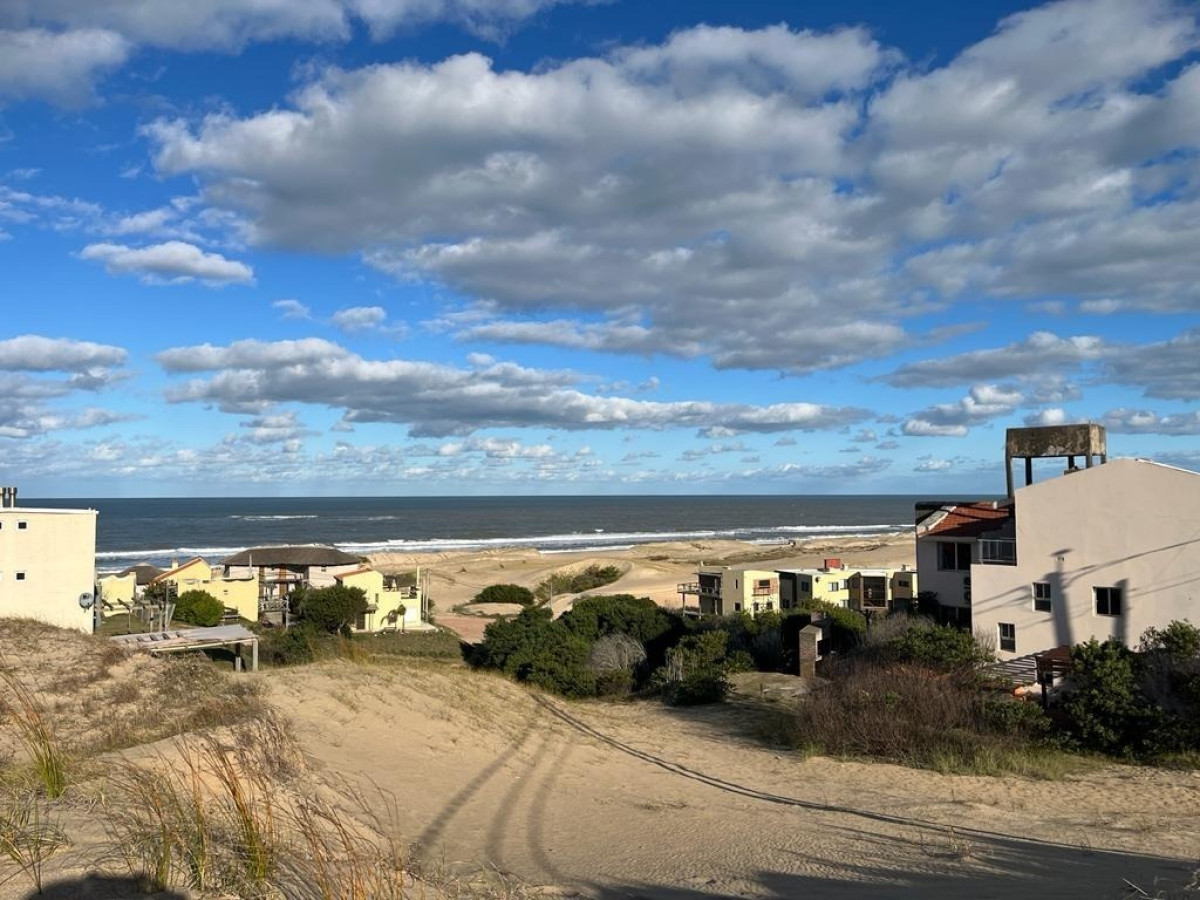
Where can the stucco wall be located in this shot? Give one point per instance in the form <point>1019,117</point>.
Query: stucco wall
<point>56,551</point>
<point>1128,524</point>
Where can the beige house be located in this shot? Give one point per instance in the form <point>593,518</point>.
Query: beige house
<point>724,591</point>
<point>1104,551</point>
<point>48,564</point>
<point>867,590</point>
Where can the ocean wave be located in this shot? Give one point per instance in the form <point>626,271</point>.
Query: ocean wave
<point>271,518</point>
<point>166,552</point>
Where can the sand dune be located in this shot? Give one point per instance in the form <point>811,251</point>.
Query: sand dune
<point>647,801</point>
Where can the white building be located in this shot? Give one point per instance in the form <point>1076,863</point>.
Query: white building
<point>1102,552</point>
<point>47,564</point>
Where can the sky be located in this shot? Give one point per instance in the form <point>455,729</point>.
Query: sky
<point>402,247</point>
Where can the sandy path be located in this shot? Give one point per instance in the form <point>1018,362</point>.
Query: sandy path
<point>640,800</point>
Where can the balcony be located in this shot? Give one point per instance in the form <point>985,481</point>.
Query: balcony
<point>998,552</point>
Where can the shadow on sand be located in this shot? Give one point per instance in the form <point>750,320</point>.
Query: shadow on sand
<point>99,887</point>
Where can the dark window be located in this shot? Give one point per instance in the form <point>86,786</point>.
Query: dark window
<point>1041,596</point>
<point>1008,637</point>
<point>21,526</point>
<point>953,556</point>
<point>20,576</point>
<point>1108,601</point>
<point>900,582</point>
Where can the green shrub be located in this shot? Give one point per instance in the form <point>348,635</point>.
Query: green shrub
<point>1020,718</point>
<point>941,647</point>
<point>331,609</point>
<point>293,646</point>
<point>1104,706</point>
<point>1179,640</point>
<point>504,593</point>
<point>639,617</point>
<point>592,577</point>
<point>532,647</point>
<point>697,688</point>
<point>199,608</point>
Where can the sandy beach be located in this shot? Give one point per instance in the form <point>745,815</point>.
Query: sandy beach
<point>650,570</point>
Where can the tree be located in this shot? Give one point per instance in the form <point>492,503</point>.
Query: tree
<point>332,609</point>
<point>199,608</point>
<point>1104,706</point>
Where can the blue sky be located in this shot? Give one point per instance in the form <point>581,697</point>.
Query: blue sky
<point>545,246</point>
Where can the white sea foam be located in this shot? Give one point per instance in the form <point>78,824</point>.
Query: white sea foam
<point>270,518</point>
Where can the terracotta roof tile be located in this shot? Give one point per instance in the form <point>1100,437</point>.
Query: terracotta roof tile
<point>971,519</point>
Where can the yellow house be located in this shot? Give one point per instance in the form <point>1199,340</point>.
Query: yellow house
<point>116,592</point>
<point>389,606</point>
<point>240,594</point>
<point>828,584</point>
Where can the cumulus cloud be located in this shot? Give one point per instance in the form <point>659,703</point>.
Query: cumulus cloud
<point>718,193</point>
<point>56,66</point>
<point>35,353</point>
<point>173,262</point>
<point>439,400</point>
<point>1166,369</point>
<point>358,319</point>
<point>292,309</point>
<point>1142,421</point>
<point>231,24</point>
<point>981,404</point>
<point>1041,352</point>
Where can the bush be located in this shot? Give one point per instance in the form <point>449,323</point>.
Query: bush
<point>504,593</point>
<point>1179,640</point>
<point>532,647</point>
<point>920,641</point>
<point>696,689</point>
<point>1103,706</point>
<point>592,577</point>
<point>332,610</point>
<point>199,608</point>
<point>639,617</point>
<point>289,647</point>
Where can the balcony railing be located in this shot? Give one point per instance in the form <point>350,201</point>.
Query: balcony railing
<point>998,552</point>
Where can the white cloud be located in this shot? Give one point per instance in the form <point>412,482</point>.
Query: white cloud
<point>359,318</point>
<point>438,400</point>
<point>693,196</point>
<point>292,309</point>
<point>981,404</point>
<point>231,24</point>
<point>172,262</point>
<point>1141,421</point>
<point>35,353</point>
<point>61,67</point>
<point>1042,352</point>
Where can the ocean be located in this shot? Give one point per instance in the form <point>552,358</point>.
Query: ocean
<point>158,530</point>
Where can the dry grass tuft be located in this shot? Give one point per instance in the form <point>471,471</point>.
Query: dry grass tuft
<point>29,834</point>
<point>46,757</point>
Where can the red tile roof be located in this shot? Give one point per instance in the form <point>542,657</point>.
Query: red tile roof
<point>971,519</point>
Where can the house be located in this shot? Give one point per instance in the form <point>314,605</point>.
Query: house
<point>724,590</point>
<point>238,592</point>
<point>864,589</point>
<point>828,584</point>
<point>280,570</point>
<point>47,563</point>
<point>391,606</point>
<point>1104,551</point>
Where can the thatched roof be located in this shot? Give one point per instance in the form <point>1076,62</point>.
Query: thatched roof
<point>145,573</point>
<point>296,556</point>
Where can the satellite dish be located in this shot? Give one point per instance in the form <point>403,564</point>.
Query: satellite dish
<point>86,600</point>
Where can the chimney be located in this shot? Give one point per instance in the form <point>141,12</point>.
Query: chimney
<point>8,497</point>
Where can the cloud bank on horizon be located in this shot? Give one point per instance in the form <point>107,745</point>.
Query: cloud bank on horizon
<point>448,246</point>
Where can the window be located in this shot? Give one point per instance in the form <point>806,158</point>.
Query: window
<point>737,607</point>
<point>1008,637</point>
<point>902,582</point>
<point>20,576</point>
<point>1041,596</point>
<point>1108,601</point>
<point>770,606</point>
<point>22,525</point>
<point>954,556</point>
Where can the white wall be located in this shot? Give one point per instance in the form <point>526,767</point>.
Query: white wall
<point>56,551</point>
<point>1127,523</point>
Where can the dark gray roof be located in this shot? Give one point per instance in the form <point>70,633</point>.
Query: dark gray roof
<point>145,573</point>
<point>303,555</point>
